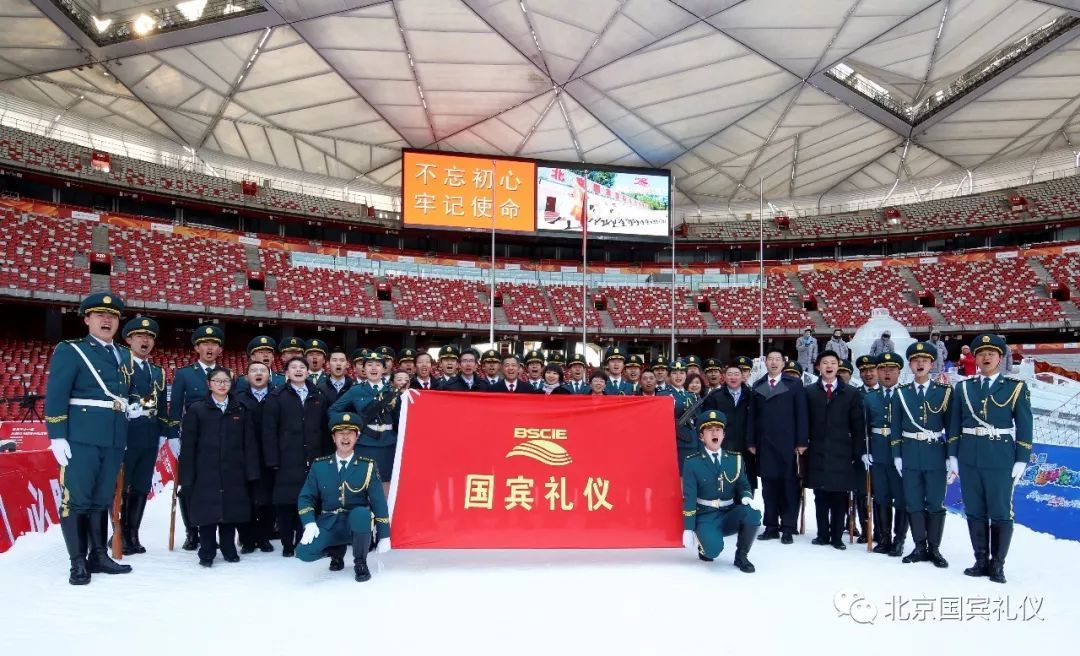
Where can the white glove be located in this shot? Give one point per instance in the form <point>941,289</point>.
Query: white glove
<point>1018,470</point>
<point>899,464</point>
<point>161,440</point>
<point>867,460</point>
<point>746,501</point>
<point>689,540</point>
<point>311,531</point>
<point>384,546</point>
<point>174,446</point>
<point>61,450</point>
<point>953,466</point>
<point>135,410</point>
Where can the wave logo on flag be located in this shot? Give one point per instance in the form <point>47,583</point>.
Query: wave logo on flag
<point>541,444</point>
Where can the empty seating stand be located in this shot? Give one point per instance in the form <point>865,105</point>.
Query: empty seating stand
<point>650,307</point>
<point>524,304</point>
<point>988,291</point>
<point>38,253</point>
<point>847,296</point>
<point>737,307</point>
<point>439,299</point>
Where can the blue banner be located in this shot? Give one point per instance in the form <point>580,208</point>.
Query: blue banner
<point>1047,498</point>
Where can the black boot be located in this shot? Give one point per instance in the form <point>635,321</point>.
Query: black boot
<point>1000,537</point>
<point>191,532</point>
<point>99,562</point>
<point>900,529</point>
<point>935,526</point>
<point>75,539</point>
<point>126,547</point>
<point>883,519</point>
<point>770,534</point>
<point>979,532</point>
<point>337,558</point>
<point>918,536</point>
<point>742,547</point>
<point>360,545</point>
<point>136,507</point>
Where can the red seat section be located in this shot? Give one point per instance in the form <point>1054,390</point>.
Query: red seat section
<point>737,307</point>
<point>566,303</point>
<point>987,291</point>
<point>438,299</point>
<point>312,290</point>
<point>524,304</point>
<point>39,252</point>
<point>846,296</point>
<point>650,307</point>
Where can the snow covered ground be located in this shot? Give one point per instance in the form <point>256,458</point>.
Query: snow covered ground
<point>542,602</point>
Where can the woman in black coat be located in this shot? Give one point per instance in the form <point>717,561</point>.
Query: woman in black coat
<point>294,434</point>
<point>218,457</point>
<point>837,430</point>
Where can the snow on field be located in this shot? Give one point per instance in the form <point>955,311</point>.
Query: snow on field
<point>542,602</point>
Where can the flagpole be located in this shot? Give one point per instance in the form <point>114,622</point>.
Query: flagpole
<point>491,294</point>
<point>761,268</point>
<point>671,225</point>
<point>584,265</point>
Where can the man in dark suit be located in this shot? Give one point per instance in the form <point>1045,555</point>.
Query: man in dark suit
<point>733,398</point>
<point>779,436</point>
<point>335,383</point>
<point>425,378</point>
<point>467,379</point>
<point>837,433</point>
<point>511,383</point>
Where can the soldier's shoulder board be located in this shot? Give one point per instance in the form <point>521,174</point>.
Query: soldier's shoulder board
<point>1014,379</point>
<point>364,459</point>
<point>323,459</point>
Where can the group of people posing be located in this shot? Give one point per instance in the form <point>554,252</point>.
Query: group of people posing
<point>303,455</point>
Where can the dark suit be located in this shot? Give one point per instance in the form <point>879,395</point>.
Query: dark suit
<point>326,386</point>
<point>779,426</point>
<point>739,419</point>
<point>416,384</point>
<point>520,387</point>
<point>584,387</point>
<point>458,384</point>
<point>837,433</point>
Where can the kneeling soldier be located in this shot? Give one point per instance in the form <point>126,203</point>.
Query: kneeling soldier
<point>716,496</point>
<point>350,492</point>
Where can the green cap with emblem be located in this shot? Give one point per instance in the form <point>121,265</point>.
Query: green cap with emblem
<point>208,334</point>
<point>989,341</point>
<point>140,326</point>
<point>922,350</point>
<point>710,418</point>
<point>102,302</point>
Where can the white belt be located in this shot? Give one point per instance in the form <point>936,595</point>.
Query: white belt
<point>715,503</point>
<point>94,403</point>
<point>881,431</point>
<point>924,436</point>
<point>983,431</point>
<point>380,427</point>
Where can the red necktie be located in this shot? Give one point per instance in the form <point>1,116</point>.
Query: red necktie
<point>425,384</point>
<point>772,383</point>
<point>828,391</point>
<point>511,386</point>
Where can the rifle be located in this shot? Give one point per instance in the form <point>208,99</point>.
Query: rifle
<point>851,517</point>
<point>799,471</point>
<point>869,514</point>
<point>688,415</point>
<point>117,540</point>
<point>172,511</point>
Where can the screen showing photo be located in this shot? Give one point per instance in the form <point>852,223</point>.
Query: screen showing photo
<point>613,203</point>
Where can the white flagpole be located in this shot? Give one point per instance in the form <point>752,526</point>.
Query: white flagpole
<point>761,269</point>
<point>491,294</point>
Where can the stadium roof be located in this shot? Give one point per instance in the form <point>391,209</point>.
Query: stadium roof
<point>723,92</point>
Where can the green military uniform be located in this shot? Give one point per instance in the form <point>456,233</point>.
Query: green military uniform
<point>357,358</point>
<point>406,355</point>
<point>144,437</point>
<point>351,498</point>
<point>573,385</point>
<point>622,387</point>
<point>990,438</point>
<point>376,410</point>
<point>882,411</point>
<point>388,356</point>
<point>918,440</point>
<point>86,408</point>
<point>686,442</point>
<point>635,361</point>
<point>316,346</point>
<point>291,347</point>
<point>716,499</point>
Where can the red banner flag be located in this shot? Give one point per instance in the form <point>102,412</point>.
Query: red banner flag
<point>536,472</point>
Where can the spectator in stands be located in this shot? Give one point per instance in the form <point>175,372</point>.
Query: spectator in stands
<point>807,347</point>
<point>553,382</point>
<point>294,434</point>
<point>838,345</point>
<point>966,365</point>
<point>218,457</point>
<point>883,344</point>
<point>942,353</point>
<point>597,383</point>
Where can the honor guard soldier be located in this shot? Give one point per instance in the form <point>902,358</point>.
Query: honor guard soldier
<point>685,402</point>
<point>407,361</point>
<point>919,451</point>
<point>868,366</point>
<point>634,364</point>
<point>448,365</point>
<point>989,448</point>
<point>146,434</point>
<point>576,382</point>
<point>189,386</point>
<point>356,359</point>
<point>746,366</point>
<point>376,406</point>
<point>883,413</point>
<point>261,348</point>
<point>87,411</point>
<point>388,357</point>
<point>534,370</point>
<point>793,371</point>
<point>716,496</point>
<point>348,490</point>
<point>714,374</point>
<point>292,347</point>
<point>693,365</point>
<point>316,352</point>
<point>845,372</point>
<point>660,370</point>
<point>614,361</point>
<point>491,363</point>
